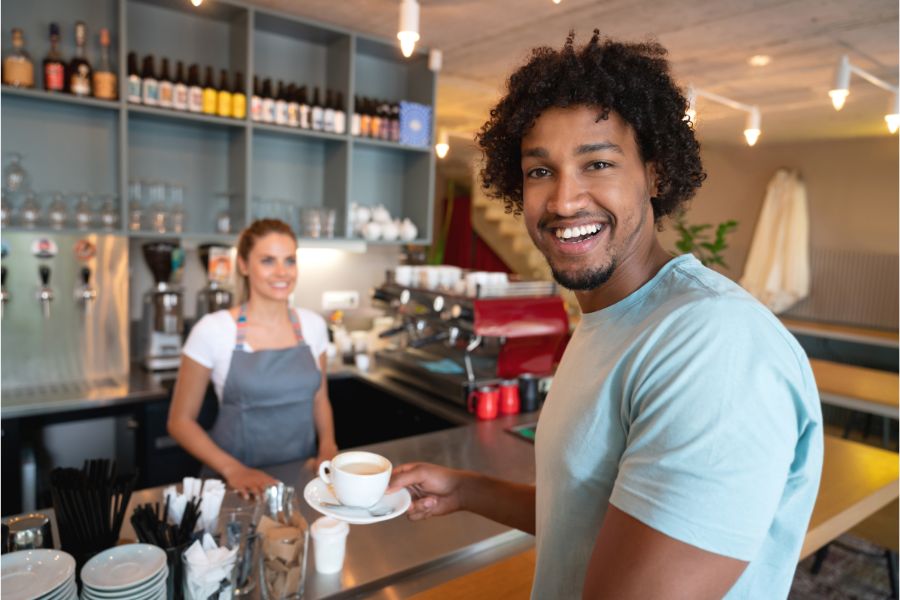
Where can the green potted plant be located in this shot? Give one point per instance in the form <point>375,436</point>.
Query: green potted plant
<point>705,244</point>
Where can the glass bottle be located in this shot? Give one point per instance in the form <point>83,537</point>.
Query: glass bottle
<point>365,118</point>
<point>165,85</point>
<point>18,70</point>
<point>30,213</point>
<point>180,89</point>
<point>238,97</point>
<point>354,121</point>
<point>80,73</point>
<point>395,122</point>
<point>104,76</point>
<point>223,95</point>
<point>54,67</point>
<point>293,107</point>
<point>195,92</point>
<point>84,217</point>
<point>340,117</point>
<point>149,83</point>
<point>209,93</point>
<point>304,109</point>
<point>328,112</point>
<point>134,79</point>
<point>268,102</point>
<point>109,213</point>
<point>256,101</point>
<point>317,113</point>
<point>281,105</point>
<point>57,212</point>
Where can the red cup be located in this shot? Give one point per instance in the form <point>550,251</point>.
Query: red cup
<point>509,397</point>
<point>485,402</point>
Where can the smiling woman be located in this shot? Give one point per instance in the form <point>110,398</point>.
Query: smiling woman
<point>266,362</point>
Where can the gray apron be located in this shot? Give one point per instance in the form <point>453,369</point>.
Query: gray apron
<point>266,413</point>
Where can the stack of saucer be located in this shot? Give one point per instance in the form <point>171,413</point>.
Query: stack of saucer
<point>133,571</point>
<point>40,574</point>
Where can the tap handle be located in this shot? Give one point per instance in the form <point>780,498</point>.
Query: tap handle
<point>431,339</point>
<point>86,276</point>
<point>44,272</point>
<point>392,331</point>
<point>2,275</point>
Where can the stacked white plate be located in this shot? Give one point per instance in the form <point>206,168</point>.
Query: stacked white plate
<point>133,571</point>
<point>40,574</point>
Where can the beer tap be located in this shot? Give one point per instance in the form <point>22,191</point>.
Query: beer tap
<point>45,293</point>
<point>4,295</point>
<point>85,293</point>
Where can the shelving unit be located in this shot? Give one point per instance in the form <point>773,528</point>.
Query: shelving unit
<point>97,146</point>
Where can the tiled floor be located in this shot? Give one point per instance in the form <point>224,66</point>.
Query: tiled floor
<point>854,570</point>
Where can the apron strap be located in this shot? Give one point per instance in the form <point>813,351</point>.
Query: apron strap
<point>241,338</point>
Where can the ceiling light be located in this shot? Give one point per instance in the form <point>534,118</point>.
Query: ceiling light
<point>196,2</point>
<point>556,1</point>
<point>893,118</point>
<point>691,113</point>
<point>759,60</point>
<point>842,89</point>
<point>408,33</point>
<point>751,128</point>
<point>443,144</point>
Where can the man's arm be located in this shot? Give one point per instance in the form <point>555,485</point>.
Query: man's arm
<point>634,561</point>
<point>439,491</point>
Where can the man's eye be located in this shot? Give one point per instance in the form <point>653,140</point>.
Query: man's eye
<point>598,165</point>
<point>538,172</point>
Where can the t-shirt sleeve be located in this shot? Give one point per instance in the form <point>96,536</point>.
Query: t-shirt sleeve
<point>205,340</point>
<point>315,332</point>
<point>711,428</point>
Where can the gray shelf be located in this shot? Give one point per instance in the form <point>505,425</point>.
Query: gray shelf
<point>8,90</point>
<point>98,150</point>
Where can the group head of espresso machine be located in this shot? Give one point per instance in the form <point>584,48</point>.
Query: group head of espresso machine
<point>450,342</point>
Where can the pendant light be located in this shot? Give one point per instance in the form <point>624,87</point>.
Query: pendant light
<point>752,126</point>
<point>408,33</point>
<point>443,144</point>
<point>841,90</point>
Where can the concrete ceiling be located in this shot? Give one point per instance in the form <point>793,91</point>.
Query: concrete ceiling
<point>709,43</point>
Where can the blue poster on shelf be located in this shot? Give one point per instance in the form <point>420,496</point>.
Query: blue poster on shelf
<point>415,124</point>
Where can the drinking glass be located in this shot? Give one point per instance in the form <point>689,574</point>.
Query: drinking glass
<point>15,177</point>
<point>135,206</point>
<point>6,209</point>
<point>30,213</point>
<point>236,528</point>
<point>282,559</point>
<point>159,214</point>
<point>223,216</point>
<point>57,212</point>
<point>311,222</point>
<point>84,216</point>
<point>109,213</point>
<point>176,202</point>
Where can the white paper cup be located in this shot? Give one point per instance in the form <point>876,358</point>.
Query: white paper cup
<point>329,544</point>
<point>358,478</point>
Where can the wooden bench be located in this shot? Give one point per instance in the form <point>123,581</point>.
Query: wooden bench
<point>844,333</point>
<point>857,482</point>
<point>857,388</point>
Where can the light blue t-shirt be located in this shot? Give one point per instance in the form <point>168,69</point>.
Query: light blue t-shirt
<point>688,406</point>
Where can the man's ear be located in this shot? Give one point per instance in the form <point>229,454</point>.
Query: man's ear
<point>651,172</point>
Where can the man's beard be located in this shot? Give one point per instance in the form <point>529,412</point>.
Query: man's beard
<point>584,279</point>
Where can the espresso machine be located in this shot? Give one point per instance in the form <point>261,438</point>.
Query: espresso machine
<point>162,322</point>
<point>215,295</point>
<point>450,341</point>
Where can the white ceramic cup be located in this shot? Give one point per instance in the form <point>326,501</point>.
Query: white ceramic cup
<point>329,544</point>
<point>358,478</point>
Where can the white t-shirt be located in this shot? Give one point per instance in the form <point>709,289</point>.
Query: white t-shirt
<point>212,341</point>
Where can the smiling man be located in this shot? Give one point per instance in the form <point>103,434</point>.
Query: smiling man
<point>678,454</point>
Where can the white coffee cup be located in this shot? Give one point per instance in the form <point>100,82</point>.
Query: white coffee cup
<point>358,478</point>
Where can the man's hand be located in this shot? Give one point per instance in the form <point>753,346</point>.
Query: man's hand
<point>435,490</point>
<point>247,481</point>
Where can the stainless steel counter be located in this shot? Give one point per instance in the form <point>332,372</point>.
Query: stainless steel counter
<point>398,557</point>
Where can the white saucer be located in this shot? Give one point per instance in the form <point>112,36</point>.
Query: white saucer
<point>34,573</point>
<point>123,567</point>
<point>317,491</point>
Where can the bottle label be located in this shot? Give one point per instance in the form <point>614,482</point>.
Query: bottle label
<point>134,88</point>
<point>150,92</point>
<point>304,116</point>
<point>165,94</point>
<point>328,120</point>
<point>18,72</point>
<point>195,99</point>
<point>340,122</point>
<point>209,101</point>
<point>80,82</point>
<point>256,108</point>
<point>54,77</point>
<point>317,118</point>
<point>180,96</point>
<point>365,125</point>
<point>105,85</point>
<point>293,114</point>
<point>223,104</point>
<point>239,106</point>
<point>354,124</point>
<point>281,116</point>
<point>268,110</point>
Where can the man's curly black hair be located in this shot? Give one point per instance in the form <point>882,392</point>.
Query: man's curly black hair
<point>631,79</point>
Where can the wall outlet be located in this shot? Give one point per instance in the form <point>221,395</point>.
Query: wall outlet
<point>340,300</point>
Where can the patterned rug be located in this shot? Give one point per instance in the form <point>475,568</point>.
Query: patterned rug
<point>854,570</point>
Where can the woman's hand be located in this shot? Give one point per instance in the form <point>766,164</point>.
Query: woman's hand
<point>435,490</point>
<point>247,481</point>
<point>327,451</point>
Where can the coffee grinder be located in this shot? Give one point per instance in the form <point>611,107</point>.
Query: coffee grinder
<point>163,318</point>
<point>216,261</point>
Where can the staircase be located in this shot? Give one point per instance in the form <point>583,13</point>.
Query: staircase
<point>506,236</point>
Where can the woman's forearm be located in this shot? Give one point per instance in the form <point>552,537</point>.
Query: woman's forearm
<point>324,420</point>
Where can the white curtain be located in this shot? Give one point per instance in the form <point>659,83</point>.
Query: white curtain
<point>777,269</point>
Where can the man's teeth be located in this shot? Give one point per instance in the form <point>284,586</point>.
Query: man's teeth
<point>573,232</point>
